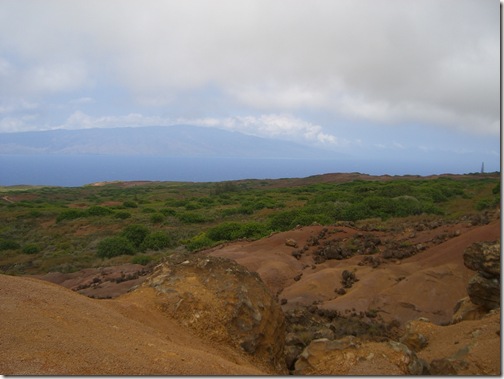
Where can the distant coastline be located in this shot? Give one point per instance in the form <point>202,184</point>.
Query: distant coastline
<point>78,170</point>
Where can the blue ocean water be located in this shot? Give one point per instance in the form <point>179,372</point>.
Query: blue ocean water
<point>77,170</point>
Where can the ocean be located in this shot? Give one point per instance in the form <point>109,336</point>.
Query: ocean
<point>78,170</point>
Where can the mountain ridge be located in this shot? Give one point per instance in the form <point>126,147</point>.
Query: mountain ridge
<point>169,141</point>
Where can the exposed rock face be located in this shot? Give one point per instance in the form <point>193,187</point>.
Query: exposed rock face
<point>222,302</point>
<point>467,310</point>
<point>484,292</point>
<point>349,356</point>
<point>484,257</point>
<point>469,347</point>
<point>484,288</point>
<point>413,339</point>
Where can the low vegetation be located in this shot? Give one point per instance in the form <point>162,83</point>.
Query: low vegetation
<point>46,229</point>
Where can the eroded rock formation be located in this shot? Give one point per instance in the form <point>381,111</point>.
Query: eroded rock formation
<point>222,302</point>
<point>484,288</point>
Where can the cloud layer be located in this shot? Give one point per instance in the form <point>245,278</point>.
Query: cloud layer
<point>258,66</point>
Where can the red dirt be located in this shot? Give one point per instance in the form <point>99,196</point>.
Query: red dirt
<point>428,284</point>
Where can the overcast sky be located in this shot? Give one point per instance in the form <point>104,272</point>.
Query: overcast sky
<point>398,76</point>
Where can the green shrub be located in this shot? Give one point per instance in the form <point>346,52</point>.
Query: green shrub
<point>135,234</point>
<point>148,210</point>
<point>156,218</point>
<point>224,187</point>
<point>191,218</point>
<point>156,241</point>
<point>141,259</point>
<point>70,214</point>
<point>226,231</point>
<point>35,214</point>
<point>283,220</point>
<point>8,245</point>
<point>31,248</point>
<point>168,211</point>
<point>229,231</point>
<point>484,204</point>
<point>305,219</point>
<point>253,230</point>
<point>97,210</point>
<point>122,215</point>
<point>497,189</point>
<point>114,246</point>
<point>201,241</point>
<point>191,206</point>
<point>130,204</point>
<point>206,201</point>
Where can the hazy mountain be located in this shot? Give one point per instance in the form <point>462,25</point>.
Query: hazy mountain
<point>174,141</point>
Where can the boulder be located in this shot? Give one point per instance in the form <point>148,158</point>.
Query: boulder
<point>414,341</point>
<point>484,257</point>
<point>442,367</point>
<point>413,338</point>
<point>222,302</point>
<point>484,291</point>
<point>484,288</point>
<point>290,242</point>
<point>349,356</point>
<point>465,310</point>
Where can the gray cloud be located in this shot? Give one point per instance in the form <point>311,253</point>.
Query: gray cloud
<point>391,61</point>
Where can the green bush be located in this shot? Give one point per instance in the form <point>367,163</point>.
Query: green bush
<point>201,241</point>
<point>141,259</point>
<point>114,246</point>
<point>484,204</point>
<point>122,215</point>
<point>70,214</point>
<point>8,245</point>
<point>305,219</point>
<point>191,206</point>
<point>224,187</point>
<point>168,211</point>
<point>191,218</point>
<point>156,241</point>
<point>226,231</point>
<point>130,204</point>
<point>283,220</point>
<point>97,210</point>
<point>253,230</point>
<point>35,214</point>
<point>135,234</point>
<point>156,218</point>
<point>31,248</point>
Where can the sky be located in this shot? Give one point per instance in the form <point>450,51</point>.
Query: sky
<point>395,78</point>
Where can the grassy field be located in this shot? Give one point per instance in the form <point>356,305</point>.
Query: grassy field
<point>45,229</point>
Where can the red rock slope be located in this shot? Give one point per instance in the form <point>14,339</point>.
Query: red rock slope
<point>428,284</point>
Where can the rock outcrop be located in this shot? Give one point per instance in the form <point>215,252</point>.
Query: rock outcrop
<point>222,302</point>
<point>470,347</point>
<point>349,356</point>
<point>484,288</point>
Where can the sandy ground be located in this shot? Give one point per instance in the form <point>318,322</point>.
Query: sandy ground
<point>50,330</point>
